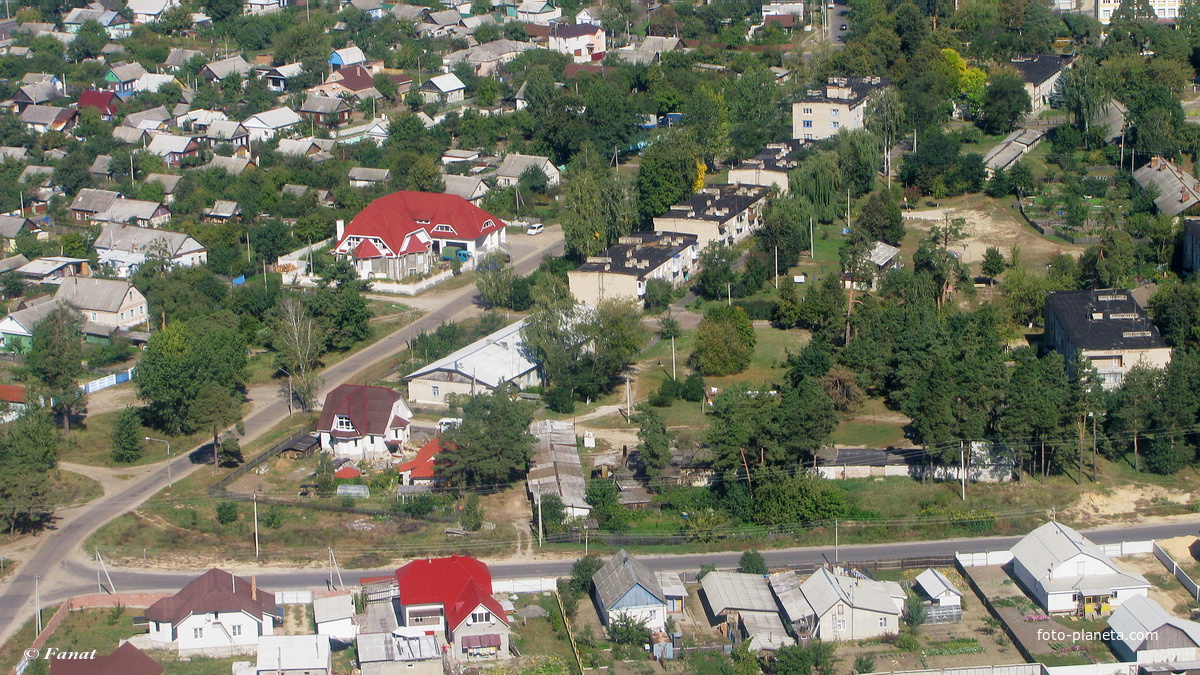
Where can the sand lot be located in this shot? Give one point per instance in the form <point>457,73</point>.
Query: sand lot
<point>988,224</point>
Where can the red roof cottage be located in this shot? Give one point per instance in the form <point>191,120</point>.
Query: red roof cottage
<point>404,233</point>
<point>103,101</point>
<point>452,597</point>
<point>364,423</point>
<point>126,660</point>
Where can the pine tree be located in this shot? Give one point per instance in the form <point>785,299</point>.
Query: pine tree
<point>655,442</point>
<point>126,436</point>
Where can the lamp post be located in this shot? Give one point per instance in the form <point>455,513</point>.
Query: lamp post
<point>170,482</point>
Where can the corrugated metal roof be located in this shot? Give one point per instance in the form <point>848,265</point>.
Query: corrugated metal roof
<point>934,583</point>
<point>621,573</point>
<point>494,359</point>
<point>737,591</point>
<point>1139,617</point>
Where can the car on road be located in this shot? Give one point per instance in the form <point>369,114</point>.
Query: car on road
<point>536,228</point>
<point>844,27</point>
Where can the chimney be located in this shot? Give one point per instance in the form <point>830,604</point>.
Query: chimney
<point>341,228</point>
<point>254,588</point>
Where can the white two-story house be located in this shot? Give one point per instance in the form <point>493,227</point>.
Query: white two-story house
<point>364,423</point>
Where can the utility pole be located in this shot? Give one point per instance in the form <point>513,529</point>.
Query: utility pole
<point>1094,474</point>
<point>729,293</point>
<point>673,358</point>
<point>37,603</point>
<point>776,268</point>
<point>585,541</point>
<point>101,566</point>
<point>540,532</point>
<point>962,460</point>
<point>835,540</point>
<point>168,444</point>
<point>255,524</point>
<point>812,244</point>
<point>333,567</point>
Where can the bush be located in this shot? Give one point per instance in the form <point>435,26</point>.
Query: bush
<point>115,352</point>
<point>907,642</point>
<point>914,612</point>
<point>560,400</point>
<point>666,394</point>
<point>865,663</point>
<point>625,630</point>
<point>272,518</point>
<point>758,308</point>
<point>752,562</point>
<point>127,436</point>
<point>227,513</point>
<point>692,388</point>
<point>187,517</point>
<point>658,296</point>
<point>472,514</point>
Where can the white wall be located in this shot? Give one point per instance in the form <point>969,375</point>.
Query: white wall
<point>221,630</point>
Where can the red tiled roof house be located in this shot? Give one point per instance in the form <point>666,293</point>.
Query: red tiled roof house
<point>215,611</point>
<point>126,660</point>
<point>419,470</point>
<point>452,598</point>
<point>103,101</point>
<point>364,423</point>
<point>404,233</point>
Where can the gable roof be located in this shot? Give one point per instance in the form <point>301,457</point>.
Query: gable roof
<point>1177,189</point>
<point>355,78</point>
<point>126,659</point>
<point>333,608</point>
<point>12,227</point>
<point>94,200</point>
<point>233,166</point>
<point>934,583</point>
<point>168,144</point>
<point>393,217</point>
<point>317,104</point>
<point>466,187</point>
<point>1052,544</point>
<point>1139,618</point>
<point>458,583</point>
<point>1037,68</point>
<point>226,67</point>
<point>824,589</point>
<point>490,360</point>
<point>620,574</point>
<point>515,164</point>
<point>214,591</point>
<point>369,174</point>
<point>121,237</point>
<point>88,293</point>
<point>277,118</point>
<point>444,83</point>
<point>147,119</point>
<point>421,466</point>
<point>178,57</point>
<point>348,55</point>
<point>369,409</point>
<point>45,114</point>
<point>104,101</point>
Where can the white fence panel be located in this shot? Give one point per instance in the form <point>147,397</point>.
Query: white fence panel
<point>999,557</point>
<point>530,585</point>
<point>1094,669</point>
<point>294,597</point>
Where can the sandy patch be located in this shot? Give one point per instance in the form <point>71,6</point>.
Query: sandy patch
<point>1179,548</point>
<point>1123,500</point>
<point>986,227</point>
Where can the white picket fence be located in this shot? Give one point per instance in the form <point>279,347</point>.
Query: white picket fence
<point>107,381</point>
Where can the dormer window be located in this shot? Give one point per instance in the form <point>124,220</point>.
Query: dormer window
<point>443,228</point>
<point>342,423</point>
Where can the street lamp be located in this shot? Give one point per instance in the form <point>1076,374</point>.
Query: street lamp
<point>168,444</point>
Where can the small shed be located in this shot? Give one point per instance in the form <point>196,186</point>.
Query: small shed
<point>334,616</point>
<point>938,588</point>
<point>347,472</point>
<point>301,447</point>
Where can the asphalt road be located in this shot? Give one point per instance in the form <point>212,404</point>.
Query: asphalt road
<point>302,579</point>
<point>837,19</point>
<point>54,559</point>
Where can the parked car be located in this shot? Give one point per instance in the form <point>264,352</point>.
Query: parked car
<point>536,228</point>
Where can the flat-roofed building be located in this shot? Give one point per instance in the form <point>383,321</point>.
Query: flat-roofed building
<point>623,270</point>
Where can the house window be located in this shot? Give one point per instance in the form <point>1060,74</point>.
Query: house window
<point>235,631</point>
<point>807,111</point>
<point>807,124</point>
<point>437,390</point>
<point>197,633</point>
<point>343,423</point>
<point>883,622</point>
<point>93,316</point>
<point>480,617</point>
<point>833,112</point>
<point>443,228</point>
<point>841,624</point>
<point>833,125</point>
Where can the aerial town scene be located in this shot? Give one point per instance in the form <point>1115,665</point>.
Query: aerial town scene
<point>600,337</point>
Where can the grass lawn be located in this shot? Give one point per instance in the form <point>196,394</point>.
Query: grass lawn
<point>10,652</point>
<point>68,487</point>
<point>91,442</point>
<point>865,434</point>
<point>99,629</point>
<point>543,636</point>
<point>198,665</point>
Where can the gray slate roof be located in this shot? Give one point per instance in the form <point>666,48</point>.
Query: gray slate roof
<point>934,583</point>
<point>1052,544</point>
<point>824,589</point>
<point>91,199</point>
<point>619,574</point>
<point>1138,618</point>
<point>1177,189</point>
<point>737,591</point>
<point>87,293</point>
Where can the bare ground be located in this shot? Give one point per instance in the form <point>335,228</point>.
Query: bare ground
<point>989,224</point>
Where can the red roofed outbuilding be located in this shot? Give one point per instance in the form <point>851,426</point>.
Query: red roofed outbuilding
<point>364,423</point>
<point>453,596</point>
<point>404,233</point>
<point>419,470</point>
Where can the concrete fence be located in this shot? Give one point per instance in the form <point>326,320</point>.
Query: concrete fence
<point>1123,548</point>
<point>294,597</point>
<point>531,585</point>
<point>1011,669</point>
<point>1093,669</point>
<point>1173,567</point>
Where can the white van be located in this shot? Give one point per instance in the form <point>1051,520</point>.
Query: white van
<point>447,423</point>
<point>535,228</point>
